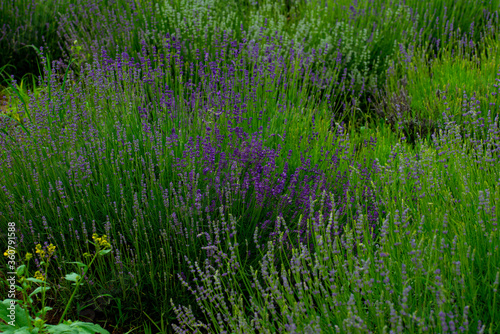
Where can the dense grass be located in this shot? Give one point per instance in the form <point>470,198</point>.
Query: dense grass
<point>275,166</point>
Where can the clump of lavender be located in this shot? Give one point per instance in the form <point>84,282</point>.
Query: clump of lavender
<point>152,158</point>
<point>346,284</point>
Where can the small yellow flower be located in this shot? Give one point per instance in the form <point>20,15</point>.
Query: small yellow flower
<point>51,249</point>
<point>9,252</point>
<point>39,323</point>
<point>87,255</point>
<point>28,256</point>
<point>102,242</point>
<point>39,250</point>
<point>38,275</point>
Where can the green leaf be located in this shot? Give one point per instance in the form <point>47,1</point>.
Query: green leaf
<point>8,329</point>
<point>46,309</point>
<point>104,252</point>
<point>20,270</point>
<point>43,311</point>
<point>20,318</point>
<point>35,280</point>
<point>85,327</point>
<point>76,327</point>
<point>61,328</point>
<point>38,290</point>
<point>73,277</point>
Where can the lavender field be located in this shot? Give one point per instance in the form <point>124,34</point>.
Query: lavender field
<point>249,166</point>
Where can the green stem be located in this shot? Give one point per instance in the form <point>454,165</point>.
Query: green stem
<point>26,302</point>
<point>76,288</point>
<point>44,288</point>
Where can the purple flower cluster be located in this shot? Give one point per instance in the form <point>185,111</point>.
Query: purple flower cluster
<point>138,149</point>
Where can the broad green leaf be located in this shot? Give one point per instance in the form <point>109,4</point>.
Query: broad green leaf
<point>61,328</point>
<point>77,327</point>
<point>86,327</point>
<point>104,252</point>
<point>8,329</point>
<point>21,317</point>
<point>35,280</point>
<point>73,277</point>
<point>38,290</point>
<point>20,270</point>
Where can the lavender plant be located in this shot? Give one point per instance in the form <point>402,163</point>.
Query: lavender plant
<point>454,83</point>
<point>232,191</point>
<point>342,287</point>
<point>217,153</point>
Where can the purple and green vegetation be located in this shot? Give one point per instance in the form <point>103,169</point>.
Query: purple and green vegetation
<point>254,166</point>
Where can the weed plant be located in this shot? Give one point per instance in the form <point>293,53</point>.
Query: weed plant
<point>18,318</point>
<point>240,180</point>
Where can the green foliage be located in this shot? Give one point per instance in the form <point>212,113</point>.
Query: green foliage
<point>21,316</point>
<point>24,323</point>
<point>451,84</point>
<point>376,43</point>
<point>25,23</point>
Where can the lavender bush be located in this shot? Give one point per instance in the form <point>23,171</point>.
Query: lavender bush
<point>234,192</point>
<point>216,151</point>
<point>366,56</point>
<point>450,86</point>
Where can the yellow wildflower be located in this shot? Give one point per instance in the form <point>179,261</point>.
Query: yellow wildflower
<point>39,250</point>
<point>38,275</point>
<point>51,249</point>
<point>28,256</point>
<point>9,252</point>
<point>102,242</point>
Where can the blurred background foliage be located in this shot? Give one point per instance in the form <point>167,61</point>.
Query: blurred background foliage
<point>363,37</point>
